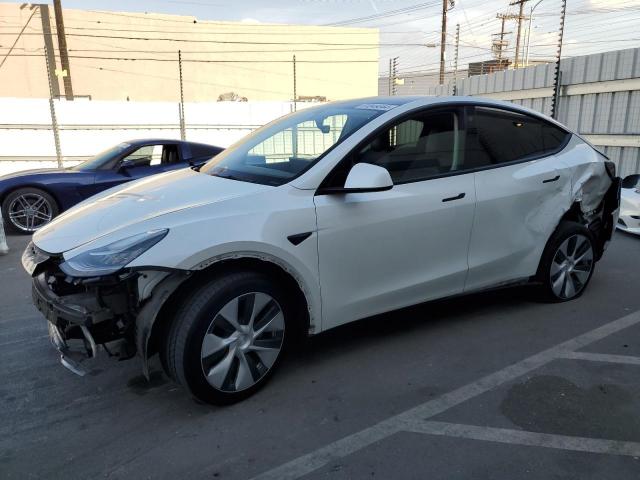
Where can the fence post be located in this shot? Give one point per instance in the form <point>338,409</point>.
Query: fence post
<point>557,72</point>
<point>183,130</point>
<point>295,86</point>
<point>4,248</point>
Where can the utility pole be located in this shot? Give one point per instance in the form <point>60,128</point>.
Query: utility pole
<point>52,111</point>
<point>455,65</point>
<point>498,46</point>
<point>528,34</point>
<point>62,46</point>
<point>520,18</point>
<point>443,36</point>
<point>295,86</point>
<point>183,130</point>
<point>557,77</point>
<point>390,75</point>
<point>45,20</point>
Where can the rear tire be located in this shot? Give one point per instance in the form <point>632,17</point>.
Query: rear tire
<point>27,209</point>
<point>567,263</point>
<point>228,337</point>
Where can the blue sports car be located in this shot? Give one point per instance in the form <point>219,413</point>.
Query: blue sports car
<point>31,198</point>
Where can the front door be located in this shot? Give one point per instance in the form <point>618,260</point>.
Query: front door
<point>380,251</point>
<point>142,162</point>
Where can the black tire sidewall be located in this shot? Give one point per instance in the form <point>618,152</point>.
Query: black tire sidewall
<point>55,209</point>
<point>564,231</point>
<point>194,319</point>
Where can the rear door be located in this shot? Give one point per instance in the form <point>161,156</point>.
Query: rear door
<point>519,188</point>
<point>384,250</point>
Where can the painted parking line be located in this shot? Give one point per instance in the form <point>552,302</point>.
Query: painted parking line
<point>418,415</point>
<point>532,439</point>
<point>602,357</point>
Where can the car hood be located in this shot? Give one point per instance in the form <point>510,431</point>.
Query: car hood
<point>135,203</point>
<point>37,172</point>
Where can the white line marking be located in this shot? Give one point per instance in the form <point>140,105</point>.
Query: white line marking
<point>312,461</point>
<point>602,357</point>
<point>533,439</point>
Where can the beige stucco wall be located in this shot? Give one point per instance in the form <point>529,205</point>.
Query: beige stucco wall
<point>102,79</point>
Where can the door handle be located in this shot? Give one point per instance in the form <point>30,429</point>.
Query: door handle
<point>549,180</point>
<point>457,197</point>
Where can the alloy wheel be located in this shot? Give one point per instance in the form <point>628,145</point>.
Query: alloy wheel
<point>30,211</point>
<point>571,266</point>
<point>242,342</point>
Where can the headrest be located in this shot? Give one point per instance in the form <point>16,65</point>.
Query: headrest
<point>380,143</point>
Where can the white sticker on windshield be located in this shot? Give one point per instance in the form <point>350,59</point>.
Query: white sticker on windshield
<point>384,107</point>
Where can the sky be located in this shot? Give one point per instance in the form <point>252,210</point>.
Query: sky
<point>410,29</point>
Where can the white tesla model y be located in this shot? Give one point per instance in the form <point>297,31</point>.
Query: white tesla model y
<point>325,216</point>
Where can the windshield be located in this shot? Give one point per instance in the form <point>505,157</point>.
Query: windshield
<point>97,161</point>
<point>283,149</point>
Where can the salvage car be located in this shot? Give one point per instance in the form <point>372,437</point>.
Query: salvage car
<point>32,198</point>
<point>328,215</point>
<point>629,220</point>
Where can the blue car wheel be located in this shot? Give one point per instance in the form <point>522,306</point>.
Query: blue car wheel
<point>27,209</point>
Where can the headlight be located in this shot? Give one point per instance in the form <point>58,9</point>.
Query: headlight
<point>111,258</point>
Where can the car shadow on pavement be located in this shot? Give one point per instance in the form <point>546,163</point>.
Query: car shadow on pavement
<point>409,321</point>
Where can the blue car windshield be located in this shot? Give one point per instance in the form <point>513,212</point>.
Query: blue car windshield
<point>283,149</point>
<point>102,158</point>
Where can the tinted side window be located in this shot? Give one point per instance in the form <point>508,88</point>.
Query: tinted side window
<point>552,137</point>
<point>153,155</point>
<point>200,150</point>
<point>418,148</point>
<point>498,136</point>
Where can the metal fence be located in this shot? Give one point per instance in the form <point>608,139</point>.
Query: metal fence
<point>599,98</point>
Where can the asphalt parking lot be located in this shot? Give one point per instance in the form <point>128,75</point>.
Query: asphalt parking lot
<point>488,386</point>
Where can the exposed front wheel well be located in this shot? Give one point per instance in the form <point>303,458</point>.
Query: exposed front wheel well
<point>170,307</point>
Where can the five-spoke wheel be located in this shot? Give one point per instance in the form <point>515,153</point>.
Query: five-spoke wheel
<point>242,342</point>
<point>571,266</point>
<point>27,209</point>
<point>228,336</point>
<point>567,262</point>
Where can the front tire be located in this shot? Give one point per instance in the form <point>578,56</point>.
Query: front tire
<point>228,337</point>
<point>27,209</point>
<point>567,263</point>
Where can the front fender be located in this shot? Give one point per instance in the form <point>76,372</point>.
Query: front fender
<point>149,313</point>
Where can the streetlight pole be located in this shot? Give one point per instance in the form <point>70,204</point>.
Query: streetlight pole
<point>526,59</point>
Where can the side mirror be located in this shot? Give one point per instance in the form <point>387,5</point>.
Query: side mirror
<point>126,164</point>
<point>364,177</point>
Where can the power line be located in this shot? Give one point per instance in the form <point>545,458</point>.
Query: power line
<point>18,38</point>
<point>389,13</point>
<point>231,42</point>
<point>198,60</point>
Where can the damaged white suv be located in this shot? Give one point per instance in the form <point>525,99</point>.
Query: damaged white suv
<point>325,216</point>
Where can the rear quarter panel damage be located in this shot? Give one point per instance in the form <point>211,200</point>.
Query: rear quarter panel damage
<point>589,178</point>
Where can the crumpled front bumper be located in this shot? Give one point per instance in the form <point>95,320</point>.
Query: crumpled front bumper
<point>78,309</point>
<point>62,316</point>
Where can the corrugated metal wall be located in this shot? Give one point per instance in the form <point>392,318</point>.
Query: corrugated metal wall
<point>600,98</point>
